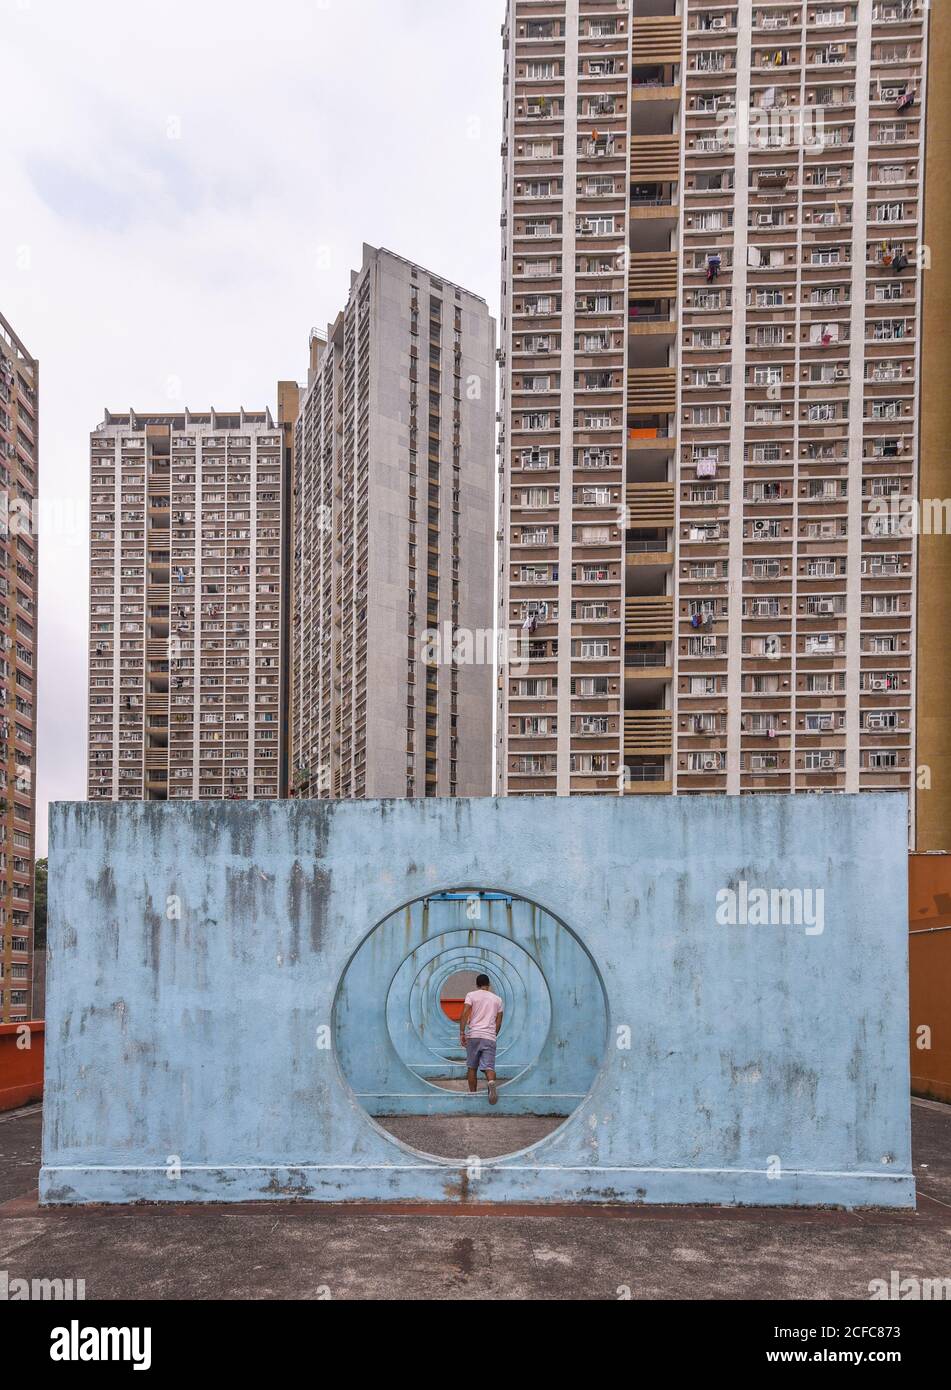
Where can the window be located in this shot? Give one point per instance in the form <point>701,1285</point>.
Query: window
<point>537,725</point>
<point>589,685</point>
<point>595,226</point>
<point>884,758</point>
<point>817,761</point>
<point>704,762</point>
<point>590,762</point>
<point>703,685</point>
<point>594,535</point>
<point>536,420</point>
<point>592,649</point>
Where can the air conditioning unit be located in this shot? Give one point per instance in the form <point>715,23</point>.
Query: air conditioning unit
<point>827,762</point>
<point>760,528</point>
<point>890,93</point>
<point>840,373</point>
<point>878,685</point>
<point>708,644</point>
<point>718,23</point>
<point>711,765</point>
<point>764,219</point>
<point>825,606</point>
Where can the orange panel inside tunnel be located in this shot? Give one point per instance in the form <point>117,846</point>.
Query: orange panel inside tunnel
<point>452,1008</point>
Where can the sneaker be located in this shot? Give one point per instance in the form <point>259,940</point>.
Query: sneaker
<point>493,1093</point>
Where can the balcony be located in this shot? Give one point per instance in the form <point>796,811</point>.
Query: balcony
<point>653,202</point>
<point>646,662</point>
<point>651,435</point>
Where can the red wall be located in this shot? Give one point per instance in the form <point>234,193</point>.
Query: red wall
<point>21,1068</point>
<point>929,960</point>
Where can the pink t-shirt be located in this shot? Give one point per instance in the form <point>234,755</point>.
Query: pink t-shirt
<point>484,1005</point>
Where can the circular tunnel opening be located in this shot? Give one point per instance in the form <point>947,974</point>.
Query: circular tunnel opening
<point>401,1001</point>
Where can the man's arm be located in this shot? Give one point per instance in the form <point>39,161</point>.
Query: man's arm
<point>463,1023</point>
<point>498,1022</point>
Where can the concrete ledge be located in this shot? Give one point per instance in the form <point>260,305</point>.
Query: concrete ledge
<point>435,1180</point>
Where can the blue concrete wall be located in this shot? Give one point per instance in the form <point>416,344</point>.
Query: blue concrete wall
<point>195,954</point>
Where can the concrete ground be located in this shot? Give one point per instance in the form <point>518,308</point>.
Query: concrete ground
<point>458,1136</point>
<point>301,1250</point>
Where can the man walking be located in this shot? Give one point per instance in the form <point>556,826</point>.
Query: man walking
<point>482,1014</point>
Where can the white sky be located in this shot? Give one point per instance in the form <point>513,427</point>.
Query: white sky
<point>186,185</point>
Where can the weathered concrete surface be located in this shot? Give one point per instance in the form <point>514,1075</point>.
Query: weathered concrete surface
<point>196,953</point>
<point>19,1151</point>
<point>297,1250</point>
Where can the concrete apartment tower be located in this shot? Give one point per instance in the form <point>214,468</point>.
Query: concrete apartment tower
<point>19,445</point>
<point>393,536</point>
<point>711,340</point>
<point>186,614</point>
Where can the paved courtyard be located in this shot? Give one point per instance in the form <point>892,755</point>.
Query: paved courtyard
<point>301,1250</point>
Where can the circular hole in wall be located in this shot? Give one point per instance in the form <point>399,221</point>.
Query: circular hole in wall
<point>397,1039</point>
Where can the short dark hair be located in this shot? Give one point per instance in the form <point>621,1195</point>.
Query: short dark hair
<point>482,980</point>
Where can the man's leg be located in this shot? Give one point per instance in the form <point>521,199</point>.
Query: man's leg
<point>488,1066</point>
<point>472,1063</point>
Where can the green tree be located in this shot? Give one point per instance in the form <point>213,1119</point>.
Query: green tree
<point>39,905</point>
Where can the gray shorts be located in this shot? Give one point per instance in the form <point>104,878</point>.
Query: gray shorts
<point>480,1052</point>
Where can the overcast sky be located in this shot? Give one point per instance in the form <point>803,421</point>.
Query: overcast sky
<point>185,189</point>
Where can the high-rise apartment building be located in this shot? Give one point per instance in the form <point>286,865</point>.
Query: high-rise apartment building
<point>185,621</point>
<point>710,334</point>
<point>933,653</point>
<point>393,527</point>
<point>19,442</point>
